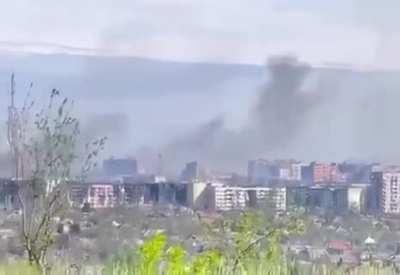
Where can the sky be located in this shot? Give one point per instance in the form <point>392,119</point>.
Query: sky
<point>361,33</point>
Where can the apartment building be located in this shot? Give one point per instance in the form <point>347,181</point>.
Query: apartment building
<point>323,172</point>
<point>272,196</point>
<point>133,194</point>
<point>78,193</point>
<point>329,198</point>
<point>103,195</point>
<point>290,170</point>
<point>227,197</point>
<point>389,181</point>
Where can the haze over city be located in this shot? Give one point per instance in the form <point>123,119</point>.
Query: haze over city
<point>199,137</point>
<point>207,74</point>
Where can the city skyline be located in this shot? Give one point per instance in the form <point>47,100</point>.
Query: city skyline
<point>198,137</point>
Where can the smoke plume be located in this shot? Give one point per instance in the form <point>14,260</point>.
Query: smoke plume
<point>282,105</point>
<point>279,113</point>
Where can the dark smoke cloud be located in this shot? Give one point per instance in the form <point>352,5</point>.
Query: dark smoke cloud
<point>279,113</point>
<point>282,105</point>
<point>304,113</point>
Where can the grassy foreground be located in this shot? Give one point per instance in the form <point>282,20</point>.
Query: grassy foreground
<point>255,268</point>
<point>155,257</point>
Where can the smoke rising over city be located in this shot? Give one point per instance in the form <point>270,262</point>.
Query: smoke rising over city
<point>274,119</point>
<point>305,113</point>
<point>202,136</point>
<point>222,115</point>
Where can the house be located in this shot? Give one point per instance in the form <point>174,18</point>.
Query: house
<point>338,246</point>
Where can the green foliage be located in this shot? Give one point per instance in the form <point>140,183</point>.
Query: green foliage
<point>209,262</point>
<point>146,260</point>
<point>151,253</point>
<point>19,269</point>
<point>252,245</point>
<point>176,257</point>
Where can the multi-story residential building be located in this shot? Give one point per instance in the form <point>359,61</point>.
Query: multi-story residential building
<point>133,194</point>
<point>103,195</point>
<point>290,170</point>
<point>172,193</point>
<point>272,196</point>
<point>356,172</point>
<point>225,197</point>
<point>338,198</point>
<point>374,192</point>
<point>297,171</point>
<point>388,179</point>
<point>329,198</point>
<point>78,193</point>
<point>229,197</point>
<point>298,196</point>
<point>180,190</point>
<point>326,172</point>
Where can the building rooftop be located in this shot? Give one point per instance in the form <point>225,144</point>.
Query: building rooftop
<point>387,168</point>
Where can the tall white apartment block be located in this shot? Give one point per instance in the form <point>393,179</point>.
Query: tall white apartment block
<point>390,192</point>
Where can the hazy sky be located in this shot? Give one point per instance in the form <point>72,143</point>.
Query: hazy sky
<point>360,32</point>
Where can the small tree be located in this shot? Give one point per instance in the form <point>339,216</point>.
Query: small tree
<point>45,157</point>
<point>253,235</point>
